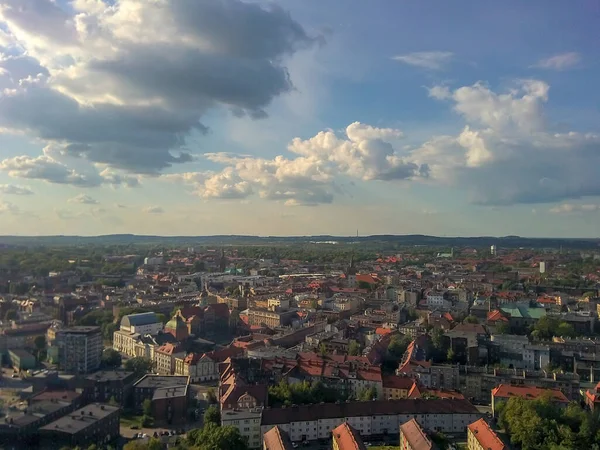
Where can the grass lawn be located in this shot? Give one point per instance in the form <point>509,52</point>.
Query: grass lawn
<point>128,420</point>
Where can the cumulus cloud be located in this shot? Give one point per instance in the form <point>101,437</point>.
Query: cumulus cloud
<point>561,61</point>
<point>13,189</point>
<point>429,60</point>
<point>124,84</point>
<point>363,152</point>
<point>46,169</point>
<point>566,208</point>
<point>507,153</point>
<point>8,208</point>
<point>154,209</point>
<point>84,199</point>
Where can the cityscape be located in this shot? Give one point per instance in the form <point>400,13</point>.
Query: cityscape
<point>322,344</point>
<point>299,224</point>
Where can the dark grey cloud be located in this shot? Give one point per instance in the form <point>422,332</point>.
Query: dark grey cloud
<point>129,98</point>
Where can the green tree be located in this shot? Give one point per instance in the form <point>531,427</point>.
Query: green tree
<point>213,437</point>
<point>111,358</point>
<point>139,365</point>
<point>471,319</point>
<point>565,329</point>
<point>398,346</point>
<point>162,318</point>
<point>322,350</point>
<point>211,396</point>
<point>354,348</point>
<point>147,407</point>
<point>40,344</point>
<point>502,328</point>
<point>450,355</point>
<point>212,415</point>
<point>367,394</point>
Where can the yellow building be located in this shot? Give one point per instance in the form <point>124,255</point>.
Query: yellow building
<point>481,437</point>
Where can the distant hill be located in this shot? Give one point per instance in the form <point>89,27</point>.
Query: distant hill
<point>414,239</point>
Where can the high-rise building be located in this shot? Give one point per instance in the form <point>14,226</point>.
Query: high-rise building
<point>542,267</point>
<point>79,349</point>
<point>493,250</point>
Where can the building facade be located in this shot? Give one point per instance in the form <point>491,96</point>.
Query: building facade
<point>79,349</point>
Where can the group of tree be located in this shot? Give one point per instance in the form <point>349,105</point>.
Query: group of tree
<point>541,425</point>
<point>303,393</point>
<point>547,327</point>
<point>111,359</point>
<point>139,365</point>
<point>367,394</point>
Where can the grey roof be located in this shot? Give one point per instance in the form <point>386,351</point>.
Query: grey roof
<point>161,381</point>
<point>82,418</point>
<point>20,353</point>
<point>80,330</point>
<point>109,375</point>
<point>170,392</point>
<point>136,320</point>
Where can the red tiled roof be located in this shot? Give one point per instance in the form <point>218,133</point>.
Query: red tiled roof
<point>277,439</point>
<point>347,438</point>
<point>486,437</point>
<point>528,392</point>
<point>415,436</point>
<point>396,382</point>
<point>382,331</point>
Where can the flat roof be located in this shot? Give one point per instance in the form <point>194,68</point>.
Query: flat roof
<point>170,392</point>
<point>161,381</point>
<point>81,419</point>
<point>109,375</point>
<point>20,353</point>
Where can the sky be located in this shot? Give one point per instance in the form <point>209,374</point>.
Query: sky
<point>300,117</point>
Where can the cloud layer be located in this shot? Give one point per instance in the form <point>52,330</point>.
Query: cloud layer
<point>125,84</point>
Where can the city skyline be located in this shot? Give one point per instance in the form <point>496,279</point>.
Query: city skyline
<point>298,118</point>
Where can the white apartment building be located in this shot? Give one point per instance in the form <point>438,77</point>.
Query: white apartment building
<point>248,424</point>
<point>312,422</point>
<point>142,323</point>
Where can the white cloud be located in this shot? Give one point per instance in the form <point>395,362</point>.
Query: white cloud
<point>13,189</point>
<point>561,61</point>
<point>47,169</point>
<point>8,208</point>
<point>567,208</point>
<point>83,199</point>
<point>439,92</point>
<point>429,60</point>
<point>154,209</point>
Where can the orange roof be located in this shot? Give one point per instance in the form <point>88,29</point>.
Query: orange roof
<point>382,331</point>
<point>415,436</point>
<point>367,278</point>
<point>347,438</point>
<point>528,392</point>
<point>496,315</point>
<point>277,439</point>
<point>396,382</point>
<point>486,436</point>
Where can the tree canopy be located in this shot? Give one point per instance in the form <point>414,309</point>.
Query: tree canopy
<point>139,365</point>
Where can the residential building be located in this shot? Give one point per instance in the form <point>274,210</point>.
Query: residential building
<point>170,405</point>
<point>79,349</point>
<point>21,360</point>
<point>344,437</point>
<point>106,385</point>
<point>378,417</point>
<point>481,437</point>
<point>592,398</point>
<point>395,387</point>
<point>165,357</point>
<point>93,424</point>
<point>146,387</point>
<point>142,323</point>
<point>276,439</point>
<point>504,392</point>
<point>413,437</point>
<point>272,319</point>
<point>248,423</point>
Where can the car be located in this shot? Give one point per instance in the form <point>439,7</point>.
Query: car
<point>295,444</point>
<point>14,375</point>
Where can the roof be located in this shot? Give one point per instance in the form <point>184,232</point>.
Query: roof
<point>276,439</point>
<point>397,382</point>
<point>415,436</point>
<point>347,438</point>
<point>67,396</point>
<point>523,311</point>
<point>81,419</point>
<point>528,392</point>
<point>276,416</point>
<point>170,392</point>
<point>486,436</point>
<point>161,381</point>
<point>109,375</point>
<point>20,353</point>
<point>136,320</point>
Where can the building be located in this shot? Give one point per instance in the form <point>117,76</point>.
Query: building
<point>396,387</point>
<point>177,328</point>
<point>142,323</point>
<point>412,437</point>
<point>93,424</point>
<point>504,392</point>
<point>248,423</point>
<point>542,267</point>
<point>481,437</point>
<point>21,360</point>
<point>592,398</point>
<point>378,417</point>
<point>79,349</point>
<point>107,385</point>
<point>272,319</point>
<point>345,437</point>
<point>276,439</point>
<point>168,394</point>
<point>199,367</point>
<point>165,357</point>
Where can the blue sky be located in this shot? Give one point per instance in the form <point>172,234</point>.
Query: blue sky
<point>299,117</point>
